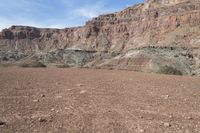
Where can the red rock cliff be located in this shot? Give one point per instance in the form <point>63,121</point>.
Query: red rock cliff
<point>157,22</point>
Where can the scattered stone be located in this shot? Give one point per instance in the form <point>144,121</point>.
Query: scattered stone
<point>82,92</point>
<point>2,123</point>
<point>57,83</point>
<point>185,100</point>
<point>18,102</point>
<point>141,117</point>
<point>189,118</point>
<point>66,108</point>
<point>171,116</point>
<point>57,111</point>
<point>166,97</point>
<point>42,120</point>
<point>36,100</point>
<point>141,130</point>
<point>80,85</point>
<point>167,124</point>
<point>43,95</point>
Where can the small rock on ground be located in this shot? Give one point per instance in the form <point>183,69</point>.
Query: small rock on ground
<point>36,100</point>
<point>167,124</point>
<point>82,92</point>
<point>80,85</point>
<point>42,120</point>
<point>141,130</point>
<point>43,95</point>
<point>2,123</point>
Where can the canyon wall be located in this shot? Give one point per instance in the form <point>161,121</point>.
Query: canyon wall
<point>143,37</point>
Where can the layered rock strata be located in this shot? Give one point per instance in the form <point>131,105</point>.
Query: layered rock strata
<point>147,36</point>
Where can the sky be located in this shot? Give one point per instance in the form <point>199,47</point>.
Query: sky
<point>56,13</point>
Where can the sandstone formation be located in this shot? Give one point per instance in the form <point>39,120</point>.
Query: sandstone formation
<point>144,37</point>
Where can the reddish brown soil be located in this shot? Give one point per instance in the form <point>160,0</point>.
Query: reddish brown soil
<point>56,100</point>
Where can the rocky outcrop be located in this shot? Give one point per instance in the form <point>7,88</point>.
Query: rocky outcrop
<point>157,24</point>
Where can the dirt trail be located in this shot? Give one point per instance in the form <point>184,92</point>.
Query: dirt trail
<point>56,100</point>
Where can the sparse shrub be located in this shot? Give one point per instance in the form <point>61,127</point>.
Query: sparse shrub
<point>97,67</point>
<point>63,66</point>
<point>170,70</point>
<point>5,65</point>
<point>110,68</point>
<point>35,64</point>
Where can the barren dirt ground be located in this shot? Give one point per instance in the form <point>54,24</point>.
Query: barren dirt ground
<point>53,100</point>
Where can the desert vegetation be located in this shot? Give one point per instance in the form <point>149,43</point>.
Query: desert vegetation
<point>34,64</point>
<point>169,70</point>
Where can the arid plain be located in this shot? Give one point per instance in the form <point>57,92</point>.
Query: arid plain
<point>73,100</point>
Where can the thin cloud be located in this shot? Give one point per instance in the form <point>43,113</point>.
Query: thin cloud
<point>93,10</point>
<point>90,11</point>
<point>54,13</point>
<point>86,12</point>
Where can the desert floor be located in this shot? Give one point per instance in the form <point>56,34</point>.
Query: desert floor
<point>72,100</point>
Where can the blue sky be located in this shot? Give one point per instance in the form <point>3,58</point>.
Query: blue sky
<point>56,13</point>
